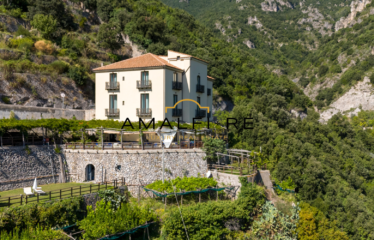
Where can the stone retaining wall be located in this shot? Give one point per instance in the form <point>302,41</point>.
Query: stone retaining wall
<point>18,168</point>
<point>137,167</point>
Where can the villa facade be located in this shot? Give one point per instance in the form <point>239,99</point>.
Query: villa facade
<point>142,87</point>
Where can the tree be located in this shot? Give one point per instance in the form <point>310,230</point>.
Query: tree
<point>55,8</point>
<point>104,9</point>
<point>212,146</point>
<point>109,36</point>
<point>322,70</point>
<point>372,78</point>
<point>90,4</point>
<point>46,24</point>
<point>78,75</point>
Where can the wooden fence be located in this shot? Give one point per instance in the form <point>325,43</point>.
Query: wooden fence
<point>246,170</point>
<point>59,194</point>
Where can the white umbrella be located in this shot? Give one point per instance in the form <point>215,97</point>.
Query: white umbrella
<point>35,186</point>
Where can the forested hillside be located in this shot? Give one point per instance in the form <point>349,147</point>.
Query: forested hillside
<point>331,165</point>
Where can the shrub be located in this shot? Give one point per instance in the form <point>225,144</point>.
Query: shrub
<point>304,82</point>
<point>34,233</point>
<point>44,46</point>
<point>23,31</point>
<point>372,78</point>
<point>351,75</point>
<point>336,69</point>
<point>185,183</point>
<point>24,44</point>
<point>78,75</point>
<point>65,81</point>
<point>104,221</point>
<point>8,69</point>
<point>59,66</point>
<point>43,79</point>
<point>46,215</point>
<point>212,146</point>
<point>46,24</point>
<point>6,101</point>
<point>350,51</point>
<point>322,70</point>
<point>21,81</point>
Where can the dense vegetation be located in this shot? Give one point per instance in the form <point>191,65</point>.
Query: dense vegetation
<point>182,184</point>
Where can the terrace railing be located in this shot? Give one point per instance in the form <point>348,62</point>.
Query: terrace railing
<point>132,145</point>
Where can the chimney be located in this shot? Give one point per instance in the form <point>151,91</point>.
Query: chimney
<point>102,64</point>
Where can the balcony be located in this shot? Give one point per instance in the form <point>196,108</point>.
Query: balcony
<point>177,112</point>
<point>144,112</point>
<point>177,85</point>
<point>112,86</point>
<point>209,91</point>
<point>112,112</point>
<point>200,88</point>
<point>144,84</point>
<point>200,113</point>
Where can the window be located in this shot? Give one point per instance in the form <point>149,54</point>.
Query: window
<point>144,101</point>
<point>208,91</point>
<point>198,80</point>
<point>178,58</point>
<point>123,103</point>
<point>175,100</point>
<point>145,78</point>
<point>175,77</point>
<point>123,78</point>
<point>113,80</point>
<point>113,101</point>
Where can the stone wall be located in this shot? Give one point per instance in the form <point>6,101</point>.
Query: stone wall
<point>137,167</point>
<point>22,112</point>
<point>18,169</point>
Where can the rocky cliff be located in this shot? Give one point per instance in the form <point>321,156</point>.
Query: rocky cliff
<point>274,5</point>
<point>356,7</point>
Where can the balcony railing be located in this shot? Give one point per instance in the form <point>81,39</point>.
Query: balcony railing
<point>177,85</point>
<point>200,113</point>
<point>112,112</point>
<point>177,112</point>
<point>200,88</point>
<point>144,112</point>
<point>143,84</point>
<point>111,86</point>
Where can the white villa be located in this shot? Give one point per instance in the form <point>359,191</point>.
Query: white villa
<point>143,86</point>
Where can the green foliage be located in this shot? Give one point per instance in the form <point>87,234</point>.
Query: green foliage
<point>336,69</point>
<point>110,196</point>
<point>322,70</point>
<point>27,150</point>
<point>104,9</point>
<point>23,31</point>
<point>55,8</point>
<point>274,223</point>
<point>60,66</point>
<point>105,221</point>
<point>304,82</point>
<point>213,220</point>
<point>24,44</point>
<point>34,234</point>
<point>45,215</point>
<point>109,36</point>
<point>78,75</point>
<point>211,147</point>
<point>46,24</point>
<point>5,100</point>
<point>313,225</point>
<point>185,183</point>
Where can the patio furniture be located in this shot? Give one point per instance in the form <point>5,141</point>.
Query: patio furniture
<point>28,191</point>
<point>37,189</point>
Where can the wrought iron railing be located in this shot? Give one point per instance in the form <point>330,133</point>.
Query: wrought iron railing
<point>200,113</point>
<point>177,85</point>
<point>144,84</point>
<point>112,86</point>
<point>112,112</point>
<point>177,112</point>
<point>200,88</point>
<point>144,112</point>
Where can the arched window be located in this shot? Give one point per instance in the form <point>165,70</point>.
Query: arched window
<point>90,172</point>
<point>198,80</point>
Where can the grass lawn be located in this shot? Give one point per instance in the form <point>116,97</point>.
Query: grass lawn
<point>66,192</point>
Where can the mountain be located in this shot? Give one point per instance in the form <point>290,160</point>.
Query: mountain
<point>314,43</point>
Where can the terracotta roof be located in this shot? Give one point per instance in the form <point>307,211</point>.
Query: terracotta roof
<point>146,60</point>
<point>189,56</point>
<point>211,78</point>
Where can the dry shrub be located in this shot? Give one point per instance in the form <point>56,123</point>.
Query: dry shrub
<point>13,85</point>
<point>65,81</point>
<point>7,55</point>
<point>21,81</point>
<point>44,46</point>
<point>43,80</point>
<point>75,99</point>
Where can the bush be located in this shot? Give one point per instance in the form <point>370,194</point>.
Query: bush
<point>185,183</point>
<point>304,82</point>
<point>6,100</point>
<point>33,233</point>
<point>336,69</point>
<point>351,75</point>
<point>322,70</point>
<point>59,66</point>
<point>46,24</point>
<point>104,221</point>
<point>46,215</point>
<point>78,75</point>
<point>24,44</point>
<point>212,146</point>
<point>44,46</point>
<point>350,51</point>
<point>23,31</point>
<point>372,78</point>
